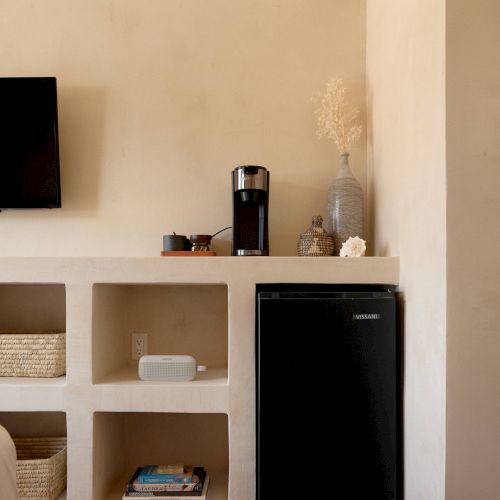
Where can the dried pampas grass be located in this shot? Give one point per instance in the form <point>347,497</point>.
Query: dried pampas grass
<point>335,118</point>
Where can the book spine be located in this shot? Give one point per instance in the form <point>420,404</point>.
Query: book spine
<point>149,475</point>
<point>161,497</point>
<point>164,479</point>
<point>146,488</point>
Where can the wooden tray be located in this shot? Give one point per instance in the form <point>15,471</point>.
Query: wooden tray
<point>186,253</point>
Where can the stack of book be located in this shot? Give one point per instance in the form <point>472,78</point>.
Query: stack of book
<point>164,482</point>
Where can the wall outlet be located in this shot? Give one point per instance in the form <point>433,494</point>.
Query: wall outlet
<point>139,345</point>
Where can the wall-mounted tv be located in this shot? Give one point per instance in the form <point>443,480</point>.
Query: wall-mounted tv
<point>29,144</point>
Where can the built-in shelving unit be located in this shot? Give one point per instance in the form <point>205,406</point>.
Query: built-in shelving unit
<point>203,306</point>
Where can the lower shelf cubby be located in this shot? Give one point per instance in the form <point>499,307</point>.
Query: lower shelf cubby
<point>38,424</point>
<point>124,441</point>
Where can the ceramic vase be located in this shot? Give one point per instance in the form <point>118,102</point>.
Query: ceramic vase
<point>345,210</point>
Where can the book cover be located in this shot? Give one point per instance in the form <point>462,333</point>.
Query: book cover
<point>195,486</point>
<point>162,495</point>
<point>164,474</point>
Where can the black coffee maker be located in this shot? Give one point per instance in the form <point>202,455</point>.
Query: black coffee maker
<point>250,208</point>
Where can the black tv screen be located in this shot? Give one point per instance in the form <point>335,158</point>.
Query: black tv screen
<point>29,146</point>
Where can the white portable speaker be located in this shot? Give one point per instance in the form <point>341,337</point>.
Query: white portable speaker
<point>171,368</point>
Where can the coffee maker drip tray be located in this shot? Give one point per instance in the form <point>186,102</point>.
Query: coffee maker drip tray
<point>250,252</point>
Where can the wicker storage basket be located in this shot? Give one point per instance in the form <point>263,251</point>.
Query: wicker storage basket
<point>41,467</point>
<point>39,354</point>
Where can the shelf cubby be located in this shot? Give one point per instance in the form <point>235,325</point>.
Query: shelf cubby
<point>32,308</point>
<point>125,441</point>
<point>35,424</point>
<point>179,319</point>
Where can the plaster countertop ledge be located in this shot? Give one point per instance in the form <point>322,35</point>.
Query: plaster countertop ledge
<point>366,270</point>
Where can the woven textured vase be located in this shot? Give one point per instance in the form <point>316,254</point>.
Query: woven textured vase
<point>344,206</point>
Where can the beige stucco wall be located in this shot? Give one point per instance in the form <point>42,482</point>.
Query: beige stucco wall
<point>407,176</point>
<point>160,100</point>
<point>473,128</point>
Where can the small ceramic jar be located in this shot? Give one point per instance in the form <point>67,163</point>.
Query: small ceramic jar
<point>175,242</point>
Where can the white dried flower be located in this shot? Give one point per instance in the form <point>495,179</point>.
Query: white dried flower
<point>335,118</point>
<point>353,247</point>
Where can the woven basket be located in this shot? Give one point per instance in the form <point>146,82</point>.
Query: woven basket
<point>41,467</point>
<point>40,354</point>
<point>315,242</point>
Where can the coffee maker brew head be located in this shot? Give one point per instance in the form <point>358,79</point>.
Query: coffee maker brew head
<point>250,210</point>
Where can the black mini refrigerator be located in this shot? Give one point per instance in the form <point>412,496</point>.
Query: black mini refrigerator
<point>328,418</point>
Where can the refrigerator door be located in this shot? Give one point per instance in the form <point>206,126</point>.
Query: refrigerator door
<point>327,409</point>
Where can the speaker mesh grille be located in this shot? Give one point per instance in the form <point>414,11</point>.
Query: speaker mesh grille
<point>168,371</point>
